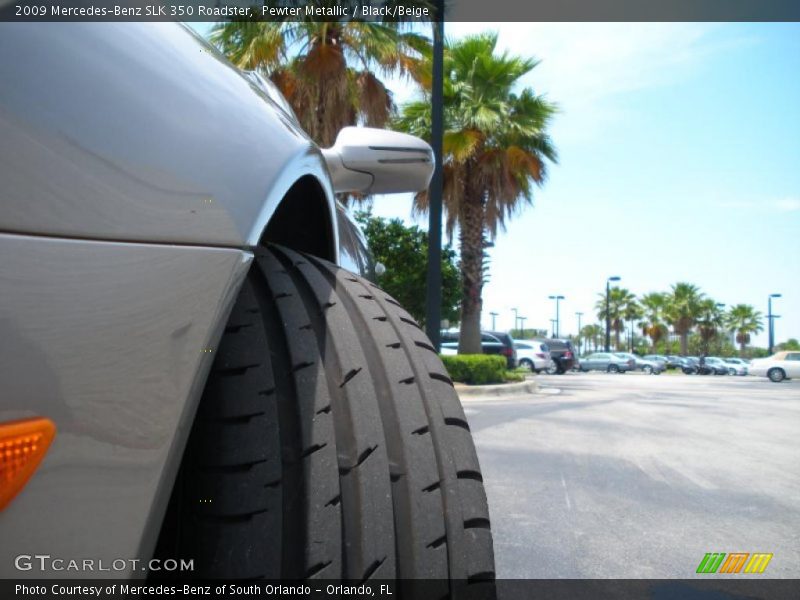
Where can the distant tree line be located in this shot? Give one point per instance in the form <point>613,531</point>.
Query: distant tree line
<point>700,323</point>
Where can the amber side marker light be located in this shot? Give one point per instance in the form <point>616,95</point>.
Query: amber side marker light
<point>23,445</point>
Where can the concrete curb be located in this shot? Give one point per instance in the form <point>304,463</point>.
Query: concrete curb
<point>477,392</point>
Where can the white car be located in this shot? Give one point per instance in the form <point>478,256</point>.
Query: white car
<point>736,366</point>
<point>533,355</point>
<point>779,366</point>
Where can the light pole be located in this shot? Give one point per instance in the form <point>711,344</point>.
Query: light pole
<point>553,326</point>
<point>433,280</point>
<point>580,337</point>
<point>516,317</point>
<point>493,314</point>
<point>770,321</point>
<point>720,306</point>
<point>556,298</point>
<point>608,311</point>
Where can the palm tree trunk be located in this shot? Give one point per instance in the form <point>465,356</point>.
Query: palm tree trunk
<point>471,224</point>
<point>684,343</point>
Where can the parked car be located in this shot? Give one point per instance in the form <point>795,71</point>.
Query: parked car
<point>180,308</point>
<point>675,362</point>
<point>563,355</point>
<point>736,366</point>
<point>533,355</point>
<point>741,365</point>
<point>607,361</point>
<point>651,367</point>
<point>508,347</point>
<point>719,366</point>
<point>492,342</point>
<point>683,363</point>
<point>779,366</point>
<point>661,358</point>
<point>700,369</point>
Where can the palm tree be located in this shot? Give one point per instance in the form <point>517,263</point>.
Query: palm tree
<point>326,70</point>
<point>495,150</point>
<point>683,306</point>
<point>632,311</point>
<point>620,302</point>
<point>709,321</point>
<point>593,332</point>
<point>744,320</point>
<point>653,306</point>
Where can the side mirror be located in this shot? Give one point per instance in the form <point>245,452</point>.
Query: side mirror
<point>378,161</point>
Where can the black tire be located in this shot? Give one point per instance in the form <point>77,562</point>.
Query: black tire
<point>552,369</point>
<point>330,443</point>
<point>528,364</point>
<point>647,369</point>
<point>776,374</point>
<point>613,369</point>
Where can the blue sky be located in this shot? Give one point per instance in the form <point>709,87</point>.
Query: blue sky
<point>679,161</point>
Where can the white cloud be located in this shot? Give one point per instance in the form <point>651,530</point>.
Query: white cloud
<point>586,67</point>
<point>788,205</point>
<point>783,205</point>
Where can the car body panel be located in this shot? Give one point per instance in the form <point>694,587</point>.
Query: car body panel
<point>146,133</point>
<point>112,341</point>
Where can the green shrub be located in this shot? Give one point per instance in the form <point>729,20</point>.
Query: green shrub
<point>516,375</point>
<point>476,369</point>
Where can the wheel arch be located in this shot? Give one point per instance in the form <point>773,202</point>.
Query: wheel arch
<point>303,221</point>
<point>299,211</point>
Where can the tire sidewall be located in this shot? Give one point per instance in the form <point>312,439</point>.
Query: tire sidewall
<point>776,375</point>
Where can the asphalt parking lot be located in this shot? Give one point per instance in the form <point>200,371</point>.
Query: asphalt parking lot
<point>636,476</point>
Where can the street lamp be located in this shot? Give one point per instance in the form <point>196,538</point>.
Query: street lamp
<point>493,314</point>
<point>770,321</point>
<point>608,311</point>
<point>433,279</point>
<point>553,326</point>
<point>556,298</point>
<point>580,337</point>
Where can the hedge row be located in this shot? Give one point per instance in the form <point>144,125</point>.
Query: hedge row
<point>476,369</point>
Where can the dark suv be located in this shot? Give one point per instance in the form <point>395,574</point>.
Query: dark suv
<point>563,354</point>
<point>492,342</point>
<point>508,349</point>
